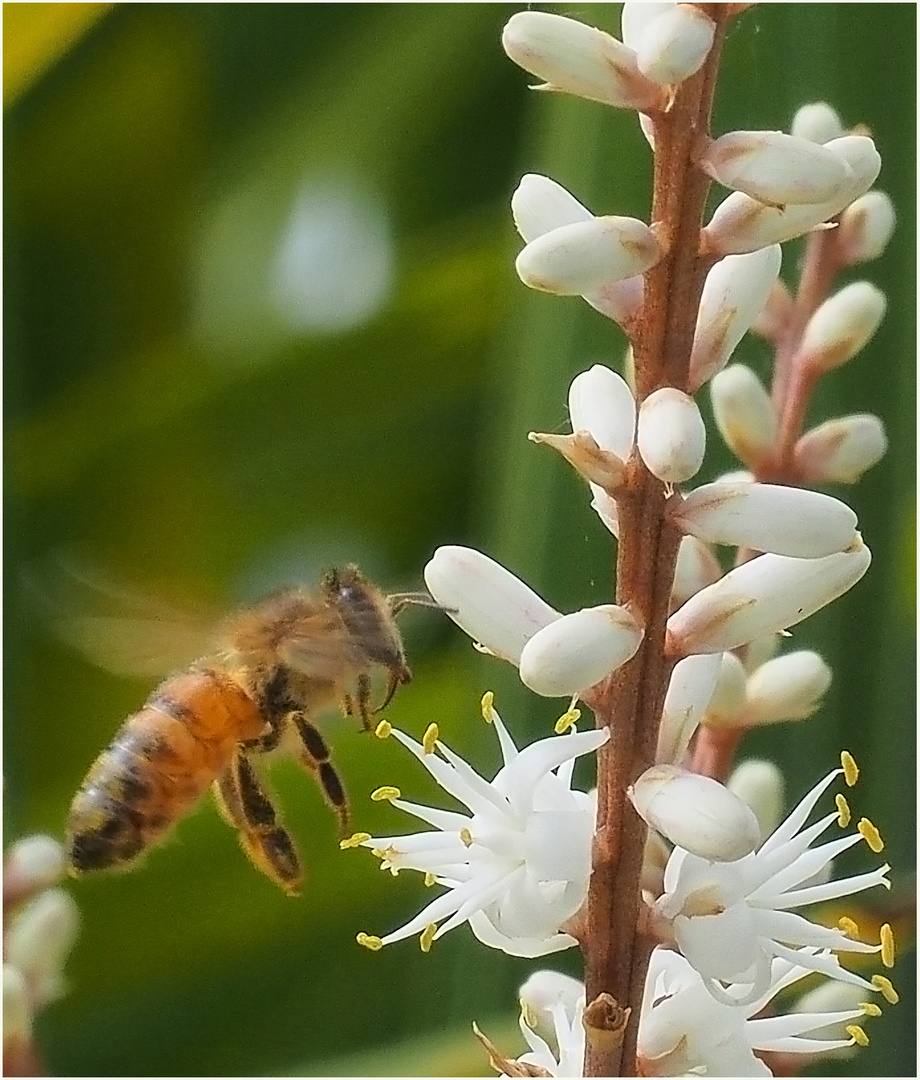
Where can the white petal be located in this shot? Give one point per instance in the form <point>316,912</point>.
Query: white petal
<point>727,701</point>
<point>578,59</point>
<point>843,325</point>
<point>675,45</point>
<point>671,435</point>
<point>841,450</point>
<point>602,404</point>
<point>744,413</point>
<point>866,226</point>
<point>579,650</point>
<point>767,594</point>
<point>737,289</point>
<point>690,690</point>
<point>776,168</point>
<point>696,568</point>
<point>768,517</point>
<point>696,813</point>
<point>577,259</point>
<point>487,601</point>
<point>789,687</point>
<point>540,205</point>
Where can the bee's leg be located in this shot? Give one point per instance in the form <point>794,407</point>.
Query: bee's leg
<point>246,807</point>
<point>364,701</point>
<point>315,757</point>
<point>265,742</point>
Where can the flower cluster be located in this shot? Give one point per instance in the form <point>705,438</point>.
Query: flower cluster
<point>722,879</point>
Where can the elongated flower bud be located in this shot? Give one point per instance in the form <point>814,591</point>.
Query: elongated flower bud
<point>768,517</point>
<point>817,122</point>
<point>602,404</point>
<point>671,435</point>
<point>582,258</point>
<point>789,687</point>
<point>736,290</point>
<point>578,59</point>
<point>487,601</point>
<point>728,697</point>
<point>839,451</point>
<point>759,785</point>
<point>579,650</point>
<point>744,413</point>
<point>776,169</point>
<point>866,226</point>
<point>690,690</point>
<point>39,940</point>
<point>763,596</point>
<point>696,568</point>
<point>696,813</point>
<point>843,325</point>
<point>675,45</point>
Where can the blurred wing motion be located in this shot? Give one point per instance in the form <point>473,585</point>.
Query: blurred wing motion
<point>115,626</point>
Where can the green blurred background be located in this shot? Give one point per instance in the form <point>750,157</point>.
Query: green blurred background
<point>261,317</point>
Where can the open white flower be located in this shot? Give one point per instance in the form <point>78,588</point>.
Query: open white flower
<point>731,919</point>
<point>557,1002</point>
<point>515,867</point>
<point>684,1029</point>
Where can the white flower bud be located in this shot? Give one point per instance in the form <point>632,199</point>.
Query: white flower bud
<point>839,451</point>
<point>760,651</point>
<point>789,687</point>
<point>763,596</point>
<point>843,325</point>
<point>636,18</point>
<point>487,601</point>
<point>743,413</point>
<point>735,292</point>
<point>34,863</point>
<point>578,59</point>
<point>696,568</point>
<point>578,650</point>
<point>671,435</point>
<point>602,404</point>
<point>675,45</point>
<point>817,122</point>
<point>767,517</point>
<point>17,1013</point>
<point>741,223</point>
<point>696,813</point>
<point>690,690</point>
<point>39,939</point>
<point>866,226</point>
<point>728,697</point>
<point>777,312</point>
<point>582,258</point>
<point>759,784</point>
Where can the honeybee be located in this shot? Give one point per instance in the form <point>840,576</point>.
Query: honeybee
<point>273,669</point>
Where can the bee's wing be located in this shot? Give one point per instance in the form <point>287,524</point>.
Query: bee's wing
<point>115,626</point>
<point>322,648</point>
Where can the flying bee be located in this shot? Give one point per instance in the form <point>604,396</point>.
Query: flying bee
<point>273,669</point>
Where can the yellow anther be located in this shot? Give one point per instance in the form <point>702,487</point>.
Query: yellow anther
<point>427,936</point>
<point>385,793</point>
<point>849,927</point>
<point>857,1034</point>
<point>871,835</point>
<point>487,706</point>
<point>430,737</point>
<point>356,840</point>
<point>869,1008</point>
<point>850,768</point>
<point>529,1017</point>
<point>887,936</point>
<point>467,837</point>
<point>568,718</point>
<point>429,879</point>
<point>369,941</point>
<point>843,811</point>
<point>886,989</point>
<point>378,853</point>
<point>384,729</point>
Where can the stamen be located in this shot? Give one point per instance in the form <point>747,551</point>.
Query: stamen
<point>383,729</point>
<point>857,1034</point>
<point>869,1008</point>
<point>427,936</point>
<point>843,811</point>
<point>569,717</point>
<point>848,926</point>
<point>387,792</point>
<point>487,706</point>
<point>467,837</point>
<point>529,1017</point>
<point>887,936</point>
<point>369,941</point>
<point>886,989</point>
<point>430,737</point>
<point>430,879</point>
<point>850,768</point>
<point>871,835</point>
<point>356,840</point>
